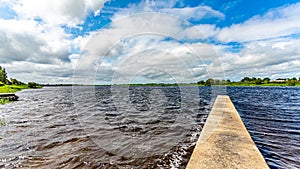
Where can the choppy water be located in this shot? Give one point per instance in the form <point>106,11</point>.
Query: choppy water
<point>103,127</point>
<point>272,117</point>
<point>138,127</point>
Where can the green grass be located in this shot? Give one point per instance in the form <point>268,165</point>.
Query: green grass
<point>4,101</point>
<point>2,122</point>
<point>12,88</point>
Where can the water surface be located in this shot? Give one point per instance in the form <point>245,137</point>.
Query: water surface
<point>139,127</point>
<point>103,127</point>
<point>272,117</point>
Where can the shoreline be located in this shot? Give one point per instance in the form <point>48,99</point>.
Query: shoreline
<point>7,92</point>
<point>182,84</point>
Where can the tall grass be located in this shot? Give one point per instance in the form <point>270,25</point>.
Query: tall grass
<point>2,122</point>
<point>12,88</point>
<point>4,100</point>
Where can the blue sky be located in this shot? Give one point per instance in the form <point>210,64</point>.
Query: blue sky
<point>122,41</point>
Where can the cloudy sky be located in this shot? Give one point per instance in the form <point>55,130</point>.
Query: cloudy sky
<point>122,41</point>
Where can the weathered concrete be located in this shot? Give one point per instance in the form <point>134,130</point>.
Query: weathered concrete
<point>225,141</point>
<point>10,96</point>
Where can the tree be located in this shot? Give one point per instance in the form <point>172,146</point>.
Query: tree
<point>209,82</point>
<point>15,81</point>
<point>246,79</point>
<point>3,75</point>
<point>228,81</point>
<point>201,82</point>
<point>217,82</point>
<point>291,82</point>
<point>266,80</point>
<point>258,81</point>
<point>32,84</point>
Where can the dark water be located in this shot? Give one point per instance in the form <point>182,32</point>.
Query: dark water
<point>138,127</point>
<point>272,117</point>
<point>103,127</point>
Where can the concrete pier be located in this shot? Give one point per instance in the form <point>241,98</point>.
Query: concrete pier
<point>225,142</point>
<point>10,96</point>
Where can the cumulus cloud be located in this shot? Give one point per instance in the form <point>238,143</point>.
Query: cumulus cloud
<point>194,13</point>
<point>283,21</point>
<point>167,7</point>
<point>263,58</point>
<point>156,46</point>
<point>27,40</point>
<point>126,27</point>
<point>202,32</point>
<point>57,12</point>
<point>40,73</point>
<point>34,36</point>
<point>145,44</point>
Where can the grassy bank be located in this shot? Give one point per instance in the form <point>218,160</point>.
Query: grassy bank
<point>12,88</point>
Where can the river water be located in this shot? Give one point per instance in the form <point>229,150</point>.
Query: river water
<point>272,117</point>
<point>138,127</point>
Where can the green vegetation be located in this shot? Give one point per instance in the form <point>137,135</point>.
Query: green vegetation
<point>247,81</point>
<point>33,85</point>
<point>4,101</point>
<point>3,75</point>
<point>12,85</point>
<point>152,84</point>
<point>12,88</point>
<point>2,122</point>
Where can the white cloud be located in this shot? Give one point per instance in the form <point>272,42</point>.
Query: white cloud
<point>36,39</point>
<point>28,40</point>
<point>194,13</point>
<point>167,7</point>
<point>40,73</point>
<point>202,31</point>
<point>152,46</point>
<point>279,22</point>
<point>143,43</point>
<point>126,27</point>
<point>273,58</point>
<point>57,12</point>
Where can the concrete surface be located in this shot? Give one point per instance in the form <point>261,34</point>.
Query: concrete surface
<point>225,142</point>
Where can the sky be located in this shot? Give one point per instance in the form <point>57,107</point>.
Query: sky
<point>148,41</point>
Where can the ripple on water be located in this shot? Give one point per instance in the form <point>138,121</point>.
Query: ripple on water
<point>93,127</point>
<point>271,115</point>
<point>138,127</point>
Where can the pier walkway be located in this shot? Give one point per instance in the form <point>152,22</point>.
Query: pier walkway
<point>225,142</point>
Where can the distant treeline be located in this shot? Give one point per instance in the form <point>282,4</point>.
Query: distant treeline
<point>247,81</point>
<point>60,85</point>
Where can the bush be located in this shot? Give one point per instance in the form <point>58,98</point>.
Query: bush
<point>2,84</point>
<point>32,85</point>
